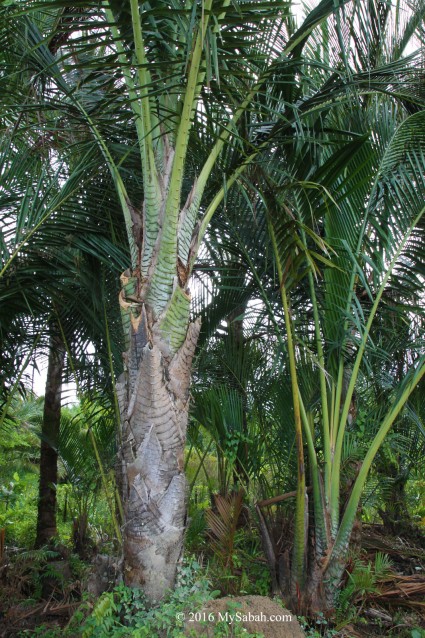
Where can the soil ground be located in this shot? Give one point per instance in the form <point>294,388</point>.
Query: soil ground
<point>400,601</point>
<point>257,614</point>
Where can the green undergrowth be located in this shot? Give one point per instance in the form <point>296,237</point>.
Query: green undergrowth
<point>125,613</point>
<point>239,567</point>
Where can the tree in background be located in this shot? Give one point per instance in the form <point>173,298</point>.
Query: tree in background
<point>50,429</point>
<point>49,303</point>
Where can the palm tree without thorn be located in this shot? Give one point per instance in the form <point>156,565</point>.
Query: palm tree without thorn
<point>202,84</point>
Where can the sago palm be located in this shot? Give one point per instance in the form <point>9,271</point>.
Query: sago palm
<point>344,201</point>
<point>207,86</point>
<point>371,233</point>
<point>48,301</point>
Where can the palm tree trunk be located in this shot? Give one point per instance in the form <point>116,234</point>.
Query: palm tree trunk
<point>46,515</point>
<point>153,395</point>
<point>236,336</point>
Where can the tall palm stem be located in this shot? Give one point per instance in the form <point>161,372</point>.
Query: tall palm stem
<point>298,567</point>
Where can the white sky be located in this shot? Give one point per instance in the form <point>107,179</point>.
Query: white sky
<point>69,390</point>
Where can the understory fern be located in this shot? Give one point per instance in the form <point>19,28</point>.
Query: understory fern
<point>363,581</point>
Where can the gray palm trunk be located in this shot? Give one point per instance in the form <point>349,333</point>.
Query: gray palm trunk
<point>153,395</point>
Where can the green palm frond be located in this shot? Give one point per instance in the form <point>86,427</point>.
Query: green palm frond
<point>75,447</point>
